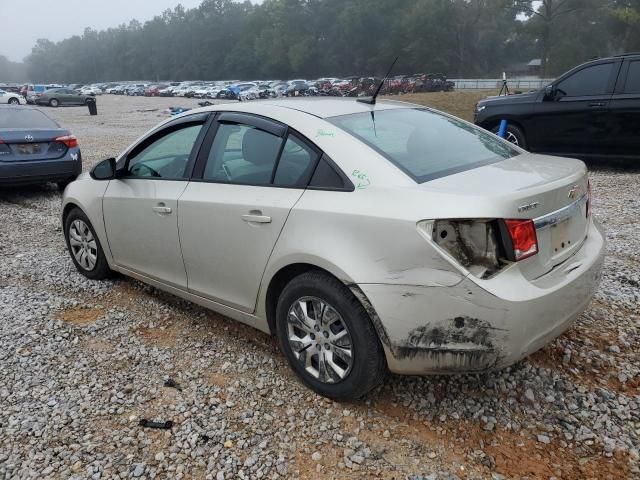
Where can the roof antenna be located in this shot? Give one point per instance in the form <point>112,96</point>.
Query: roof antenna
<point>372,100</point>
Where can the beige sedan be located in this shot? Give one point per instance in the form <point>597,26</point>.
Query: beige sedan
<point>368,238</point>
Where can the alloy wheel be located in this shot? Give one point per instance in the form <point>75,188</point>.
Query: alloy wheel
<point>510,137</point>
<point>83,245</point>
<point>319,339</point>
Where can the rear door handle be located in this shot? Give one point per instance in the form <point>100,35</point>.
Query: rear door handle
<point>597,104</point>
<point>256,218</point>
<point>162,209</point>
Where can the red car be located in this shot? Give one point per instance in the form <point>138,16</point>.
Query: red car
<point>153,90</point>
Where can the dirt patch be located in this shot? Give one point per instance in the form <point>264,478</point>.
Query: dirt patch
<point>163,336</point>
<point>81,316</point>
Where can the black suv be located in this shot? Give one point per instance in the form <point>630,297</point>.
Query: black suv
<point>592,111</point>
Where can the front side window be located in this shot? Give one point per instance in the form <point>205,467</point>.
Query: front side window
<point>589,81</point>
<point>167,156</point>
<point>425,144</point>
<point>242,154</point>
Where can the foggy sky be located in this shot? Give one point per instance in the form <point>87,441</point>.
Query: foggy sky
<point>23,22</point>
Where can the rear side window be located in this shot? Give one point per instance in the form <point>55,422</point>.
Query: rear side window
<point>24,118</point>
<point>326,177</point>
<point>295,164</point>
<point>633,78</point>
<point>242,154</point>
<point>425,144</point>
<point>589,81</point>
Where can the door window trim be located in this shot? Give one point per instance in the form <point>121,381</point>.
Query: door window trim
<point>202,119</point>
<point>271,126</point>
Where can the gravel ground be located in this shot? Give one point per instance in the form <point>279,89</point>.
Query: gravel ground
<point>82,363</point>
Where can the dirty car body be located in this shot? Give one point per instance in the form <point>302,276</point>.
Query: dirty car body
<point>463,252</point>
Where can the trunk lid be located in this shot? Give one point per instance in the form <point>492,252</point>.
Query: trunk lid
<point>23,145</point>
<point>551,191</point>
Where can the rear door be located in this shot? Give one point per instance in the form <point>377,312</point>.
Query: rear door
<point>141,207</point>
<point>625,112</point>
<point>236,205</point>
<point>575,121</point>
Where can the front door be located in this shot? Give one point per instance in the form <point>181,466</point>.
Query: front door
<point>574,121</point>
<point>141,208</point>
<point>231,218</point>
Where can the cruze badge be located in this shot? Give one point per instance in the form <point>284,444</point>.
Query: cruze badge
<point>28,138</point>
<point>573,193</point>
<point>528,206</point>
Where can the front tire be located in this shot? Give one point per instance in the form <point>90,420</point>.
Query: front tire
<point>84,246</point>
<point>54,103</point>
<point>14,101</point>
<point>513,134</point>
<point>328,338</point>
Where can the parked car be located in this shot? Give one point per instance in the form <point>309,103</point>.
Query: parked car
<point>62,96</point>
<point>35,149</point>
<point>90,90</point>
<point>592,111</point>
<point>12,98</point>
<point>33,92</point>
<point>494,250</point>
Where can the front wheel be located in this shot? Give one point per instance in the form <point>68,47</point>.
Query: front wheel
<point>54,102</point>
<point>513,134</point>
<point>84,246</point>
<point>14,101</point>
<point>328,338</point>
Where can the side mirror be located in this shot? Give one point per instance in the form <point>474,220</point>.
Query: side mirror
<point>105,170</point>
<point>549,92</point>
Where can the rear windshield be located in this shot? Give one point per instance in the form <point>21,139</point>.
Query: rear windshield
<point>425,144</point>
<point>24,118</point>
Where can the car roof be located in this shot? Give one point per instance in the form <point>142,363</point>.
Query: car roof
<point>333,107</point>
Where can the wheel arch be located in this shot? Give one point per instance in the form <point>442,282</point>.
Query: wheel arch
<point>288,272</point>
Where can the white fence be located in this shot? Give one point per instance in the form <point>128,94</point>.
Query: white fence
<point>496,83</point>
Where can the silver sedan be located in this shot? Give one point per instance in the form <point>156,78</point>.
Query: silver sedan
<point>368,238</point>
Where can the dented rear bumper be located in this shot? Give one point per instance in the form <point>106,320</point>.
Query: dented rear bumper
<point>478,325</point>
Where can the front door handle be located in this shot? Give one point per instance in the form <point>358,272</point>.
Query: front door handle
<point>596,104</point>
<point>161,208</point>
<point>256,218</point>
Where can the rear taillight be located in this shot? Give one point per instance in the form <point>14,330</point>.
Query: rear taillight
<point>69,140</point>
<point>524,241</point>
<point>483,246</point>
<point>588,199</point>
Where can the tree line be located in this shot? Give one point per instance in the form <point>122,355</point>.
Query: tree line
<point>279,39</point>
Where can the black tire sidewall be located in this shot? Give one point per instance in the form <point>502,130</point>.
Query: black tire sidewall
<point>14,101</point>
<point>101,269</point>
<point>54,103</point>
<point>368,356</point>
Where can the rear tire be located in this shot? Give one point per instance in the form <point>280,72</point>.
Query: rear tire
<point>340,355</point>
<point>54,103</point>
<point>513,134</point>
<point>84,246</point>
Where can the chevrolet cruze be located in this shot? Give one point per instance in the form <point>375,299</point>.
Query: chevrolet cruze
<point>368,238</point>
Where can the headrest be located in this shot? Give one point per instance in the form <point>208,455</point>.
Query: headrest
<point>259,147</point>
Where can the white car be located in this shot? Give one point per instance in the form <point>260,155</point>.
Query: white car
<point>366,237</point>
<point>90,91</point>
<point>12,98</point>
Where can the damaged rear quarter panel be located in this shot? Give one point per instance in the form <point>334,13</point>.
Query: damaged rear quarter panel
<point>434,340</point>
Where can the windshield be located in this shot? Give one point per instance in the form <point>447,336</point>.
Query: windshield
<point>24,118</point>
<point>425,144</point>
